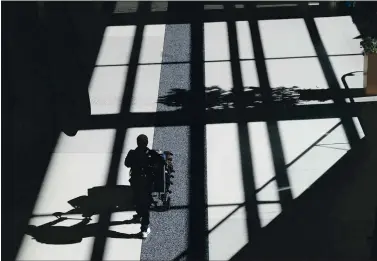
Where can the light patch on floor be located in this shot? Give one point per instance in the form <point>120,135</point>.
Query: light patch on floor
<point>106,89</point>
<point>216,44</point>
<point>152,44</point>
<point>218,74</point>
<point>146,89</point>
<point>116,45</point>
<point>224,186</point>
<point>123,248</point>
<point>285,38</point>
<point>322,155</point>
<point>337,34</point>
<point>263,171</point>
<point>147,80</point>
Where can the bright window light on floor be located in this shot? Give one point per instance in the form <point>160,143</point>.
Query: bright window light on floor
<point>218,74</point>
<point>225,186</point>
<point>263,171</point>
<point>216,44</point>
<point>285,38</point>
<point>245,45</point>
<point>308,156</point>
<point>349,72</point>
<point>249,74</point>
<point>152,44</point>
<point>337,35</point>
<point>147,84</point>
<point>106,89</point>
<point>116,45</point>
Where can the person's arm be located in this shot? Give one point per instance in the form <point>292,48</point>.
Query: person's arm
<point>128,160</point>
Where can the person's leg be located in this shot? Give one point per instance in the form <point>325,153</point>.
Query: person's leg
<point>136,199</point>
<point>144,220</point>
<point>144,212</point>
<point>138,214</point>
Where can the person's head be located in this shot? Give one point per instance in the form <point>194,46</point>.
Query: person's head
<point>142,141</point>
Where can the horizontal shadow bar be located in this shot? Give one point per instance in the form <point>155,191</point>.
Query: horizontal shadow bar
<point>172,207</point>
<point>184,118</point>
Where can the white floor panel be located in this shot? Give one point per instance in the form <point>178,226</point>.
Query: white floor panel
<point>225,186</point>
<point>268,212</point>
<point>218,74</point>
<point>354,64</point>
<point>224,165</point>
<point>119,247</point>
<point>249,74</point>
<point>228,238</point>
<point>216,44</point>
<point>147,81</point>
<point>153,44</point>
<point>314,163</point>
<point>343,65</point>
<point>245,45</point>
<point>261,155</point>
<point>116,45</point>
<point>146,88</point>
<point>285,38</point>
<point>263,171</point>
<point>107,88</point>
<point>337,35</point>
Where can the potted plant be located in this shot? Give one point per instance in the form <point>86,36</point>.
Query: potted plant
<point>369,44</point>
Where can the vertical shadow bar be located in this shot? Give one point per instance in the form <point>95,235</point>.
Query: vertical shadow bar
<point>252,216</point>
<point>285,192</point>
<point>349,126</point>
<point>198,237</point>
<point>104,220</point>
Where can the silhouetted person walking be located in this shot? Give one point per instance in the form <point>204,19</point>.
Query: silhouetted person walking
<point>142,162</point>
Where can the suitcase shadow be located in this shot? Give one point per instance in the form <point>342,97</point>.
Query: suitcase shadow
<point>102,199</point>
<point>99,200</point>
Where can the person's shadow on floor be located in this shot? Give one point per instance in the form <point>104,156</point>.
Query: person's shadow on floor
<point>50,234</point>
